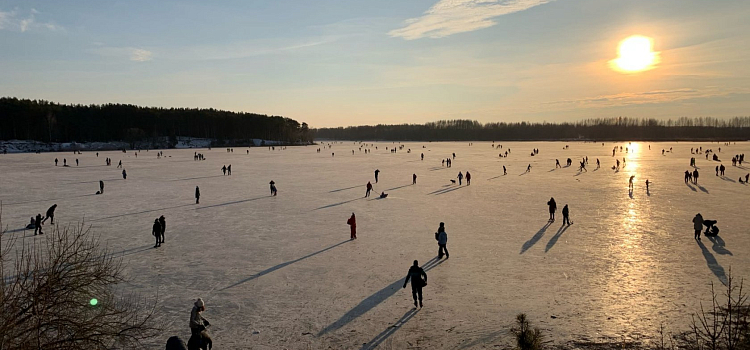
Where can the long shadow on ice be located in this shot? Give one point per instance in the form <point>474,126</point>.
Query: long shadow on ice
<point>691,187</point>
<point>553,240</point>
<point>375,342</point>
<point>140,212</point>
<point>719,246</point>
<point>446,190</point>
<point>195,178</point>
<point>702,188</point>
<point>344,189</point>
<point>727,179</point>
<point>530,243</point>
<point>272,269</point>
<point>713,265</point>
<point>395,188</point>
<point>230,203</point>
<point>374,300</point>
<point>50,200</point>
<point>337,204</point>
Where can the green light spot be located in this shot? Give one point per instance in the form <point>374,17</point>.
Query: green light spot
<point>93,302</point>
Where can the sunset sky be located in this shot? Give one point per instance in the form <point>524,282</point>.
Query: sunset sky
<point>353,62</point>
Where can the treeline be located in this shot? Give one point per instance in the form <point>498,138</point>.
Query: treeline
<point>613,129</point>
<point>52,122</point>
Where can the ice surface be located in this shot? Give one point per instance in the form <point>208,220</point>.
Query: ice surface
<point>284,266</point>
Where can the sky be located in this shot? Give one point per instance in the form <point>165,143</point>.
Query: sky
<point>353,62</point>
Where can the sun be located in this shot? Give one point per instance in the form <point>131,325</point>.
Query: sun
<point>635,55</point>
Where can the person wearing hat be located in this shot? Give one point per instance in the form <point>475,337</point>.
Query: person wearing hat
<point>198,325</point>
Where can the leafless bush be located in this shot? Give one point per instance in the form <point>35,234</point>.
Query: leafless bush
<point>527,337</point>
<point>47,289</point>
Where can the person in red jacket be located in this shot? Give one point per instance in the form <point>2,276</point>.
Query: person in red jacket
<point>352,222</point>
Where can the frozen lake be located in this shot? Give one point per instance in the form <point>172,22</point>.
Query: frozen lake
<point>284,266</point>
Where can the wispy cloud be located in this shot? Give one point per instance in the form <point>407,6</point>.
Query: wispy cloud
<point>647,97</point>
<point>15,21</point>
<point>244,49</point>
<point>449,17</point>
<point>131,53</point>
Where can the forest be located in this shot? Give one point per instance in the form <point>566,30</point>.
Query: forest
<point>23,119</point>
<point>604,129</point>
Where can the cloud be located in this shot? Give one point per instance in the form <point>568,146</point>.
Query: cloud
<point>14,21</point>
<point>244,49</point>
<point>648,97</point>
<point>449,17</point>
<point>131,53</point>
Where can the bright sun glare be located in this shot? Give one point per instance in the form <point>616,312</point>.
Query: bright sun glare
<point>635,55</point>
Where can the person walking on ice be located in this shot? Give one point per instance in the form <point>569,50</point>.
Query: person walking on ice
<point>156,231</point>
<point>124,174</point>
<point>468,178</point>
<point>163,226</point>
<point>38,225</point>
<point>50,214</point>
<point>630,182</point>
<point>698,225</point>
<point>377,172</point>
<point>552,209</point>
<point>418,280</point>
<point>352,222</point>
<point>197,195</point>
<point>369,188</point>
<point>505,171</point>
<point>566,215</point>
<point>101,186</point>
<point>442,237</point>
<point>120,164</point>
<point>460,178</point>
<point>273,188</point>
<point>647,183</point>
<point>198,326</point>
<point>414,179</point>
<point>528,168</point>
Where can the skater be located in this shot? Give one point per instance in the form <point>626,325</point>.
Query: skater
<point>460,178</point>
<point>38,225</point>
<point>468,178</point>
<point>369,188</point>
<point>273,188</point>
<point>566,215</point>
<point>698,225</point>
<point>101,186</point>
<point>197,195</point>
<point>377,171</point>
<point>51,214</point>
<point>442,237</point>
<point>156,232</point>
<point>198,326</point>
<point>352,222</point>
<point>163,224</point>
<point>229,169</point>
<point>124,174</point>
<point>552,209</point>
<point>224,169</point>
<point>413,179</point>
<point>418,281</point>
<point>630,182</point>
<point>505,172</point>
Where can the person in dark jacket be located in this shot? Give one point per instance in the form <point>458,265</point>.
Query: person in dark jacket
<point>352,222</point>
<point>156,232</point>
<point>273,188</point>
<point>38,225</point>
<point>552,209</point>
<point>101,186</point>
<point>413,179</point>
<point>124,174</point>
<point>566,213</point>
<point>377,172</point>
<point>163,224</point>
<point>418,281</point>
<point>51,214</point>
<point>442,238</point>
<point>369,188</point>
<point>698,225</point>
<point>197,195</point>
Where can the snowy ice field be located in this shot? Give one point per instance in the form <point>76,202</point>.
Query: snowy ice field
<point>281,273</point>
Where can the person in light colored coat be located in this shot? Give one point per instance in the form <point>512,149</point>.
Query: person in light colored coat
<point>442,238</point>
